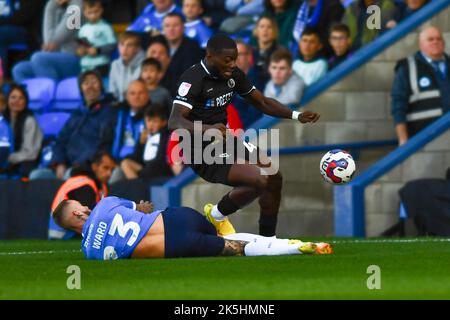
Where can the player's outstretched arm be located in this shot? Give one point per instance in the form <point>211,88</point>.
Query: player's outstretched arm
<point>274,108</point>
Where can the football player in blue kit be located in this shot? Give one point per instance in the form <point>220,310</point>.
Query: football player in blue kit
<point>119,229</point>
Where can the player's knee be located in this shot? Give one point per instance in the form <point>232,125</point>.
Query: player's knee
<point>261,183</point>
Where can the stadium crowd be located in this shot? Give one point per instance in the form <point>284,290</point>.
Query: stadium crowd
<point>125,81</point>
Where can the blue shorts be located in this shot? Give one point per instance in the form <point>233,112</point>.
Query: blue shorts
<point>189,234</point>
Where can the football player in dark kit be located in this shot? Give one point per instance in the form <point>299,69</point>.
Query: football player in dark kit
<point>204,92</point>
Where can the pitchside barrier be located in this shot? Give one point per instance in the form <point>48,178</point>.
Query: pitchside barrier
<point>349,211</point>
<point>169,194</point>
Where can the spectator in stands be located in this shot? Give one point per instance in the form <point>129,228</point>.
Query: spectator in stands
<point>403,10</point>
<point>215,13</point>
<point>244,14</point>
<point>58,59</point>
<point>356,17</point>
<point>284,12</point>
<point>421,89</point>
<point>82,134</point>
<point>184,52</point>
<point>128,66</point>
<point>340,42</point>
<point>310,65</point>
<point>159,50</point>
<point>285,85</point>
<point>151,74</point>
<point>96,39</point>
<point>149,161</point>
<point>129,122</point>
<point>151,19</point>
<point>265,42</point>
<point>18,22</point>
<point>247,113</point>
<point>194,27</point>
<point>87,184</point>
<point>317,14</point>
<point>26,133</point>
<point>123,135</point>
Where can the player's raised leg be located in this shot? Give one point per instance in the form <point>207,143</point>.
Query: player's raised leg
<point>268,187</point>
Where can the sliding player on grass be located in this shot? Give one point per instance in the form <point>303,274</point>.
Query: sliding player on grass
<point>118,228</point>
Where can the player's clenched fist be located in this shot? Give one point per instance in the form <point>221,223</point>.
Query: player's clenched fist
<point>144,206</point>
<point>308,116</point>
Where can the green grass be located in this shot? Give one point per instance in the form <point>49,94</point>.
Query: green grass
<point>409,270</point>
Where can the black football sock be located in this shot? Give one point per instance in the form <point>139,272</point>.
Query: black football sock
<point>267,225</point>
<point>226,206</point>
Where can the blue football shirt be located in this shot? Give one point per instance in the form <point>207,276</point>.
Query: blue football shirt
<point>114,229</point>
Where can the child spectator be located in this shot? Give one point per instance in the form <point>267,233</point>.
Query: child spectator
<point>340,42</point>
<point>151,74</point>
<point>310,66</point>
<point>96,39</point>
<point>150,158</point>
<point>194,27</point>
<point>285,85</point>
<point>128,66</point>
<point>26,133</point>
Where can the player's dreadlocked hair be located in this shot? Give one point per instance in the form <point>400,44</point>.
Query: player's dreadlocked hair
<point>219,42</point>
<point>58,213</point>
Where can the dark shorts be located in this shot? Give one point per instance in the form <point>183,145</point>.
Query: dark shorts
<point>218,171</point>
<point>189,234</point>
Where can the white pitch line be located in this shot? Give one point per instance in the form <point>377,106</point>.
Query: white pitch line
<point>332,241</point>
<point>388,241</point>
<point>36,252</point>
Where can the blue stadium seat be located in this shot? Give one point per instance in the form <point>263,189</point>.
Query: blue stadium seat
<point>18,47</point>
<point>67,97</point>
<point>41,92</point>
<point>51,123</point>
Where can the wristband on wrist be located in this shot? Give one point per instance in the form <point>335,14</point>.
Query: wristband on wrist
<point>295,115</point>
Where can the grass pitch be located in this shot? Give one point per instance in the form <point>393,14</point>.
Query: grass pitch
<point>410,269</point>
